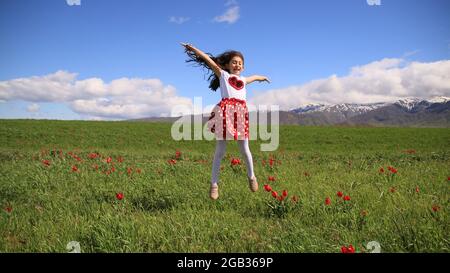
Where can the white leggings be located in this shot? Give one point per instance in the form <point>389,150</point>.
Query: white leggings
<point>221,146</point>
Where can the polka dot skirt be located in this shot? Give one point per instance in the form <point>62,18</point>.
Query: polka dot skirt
<point>229,119</point>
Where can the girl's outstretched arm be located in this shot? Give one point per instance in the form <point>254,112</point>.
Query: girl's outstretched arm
<point>214,67</point>
<point>256,78</point>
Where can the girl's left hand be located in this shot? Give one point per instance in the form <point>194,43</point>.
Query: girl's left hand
<point>264,79</point>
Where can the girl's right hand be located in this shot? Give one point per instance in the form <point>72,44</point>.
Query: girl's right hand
<point>188,46</point>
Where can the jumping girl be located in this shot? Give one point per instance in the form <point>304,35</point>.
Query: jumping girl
<point>229,118</point>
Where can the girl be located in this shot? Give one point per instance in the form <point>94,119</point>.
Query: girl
<point>229,118</point>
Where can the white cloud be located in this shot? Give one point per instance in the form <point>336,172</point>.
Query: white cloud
<point>380,81</point>
<point>73,2</point>
<point>178,20</point>
<point>120,99</point>
<point>231,3</point>
<point>230,16</point>
<point>33,108</point>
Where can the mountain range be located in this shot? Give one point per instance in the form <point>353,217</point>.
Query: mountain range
<point>407,112</point>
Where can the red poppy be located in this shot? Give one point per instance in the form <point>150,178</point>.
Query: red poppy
<point>46,162</point>
<point>74,168</point>
<point>271,178</point>
<point>172,161</point>
<point>274,194</point>
<point>327,201</point>
<point>129,170</point>
<point>109,160</point>
<point>120,159</point>
<point>177,154</point>
<point>93,155</point>
<point>138,170</point>
<point>280,198</point>
<point>436,208</point>
<point>392,189</point>
<point>267,188</point>
<point>285,193</point>
<point>346,198</point>
<point>119,196</point>
<point>350,249</point>
<point>417,189</point>
<point>271,161</point>
<point>381,170</point>
<point>235,161</point>
<point>392,169</point>
<point>340,194</point>
<point>448,178</point>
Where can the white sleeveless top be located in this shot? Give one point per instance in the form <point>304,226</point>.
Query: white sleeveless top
<point>232,86</point>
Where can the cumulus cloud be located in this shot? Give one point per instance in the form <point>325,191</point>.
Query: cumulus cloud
<point>386,80</point>
<point>230,16</point>
<point>178,20</point>
<point>122,98</point>
<point>33,108</point>
<point>73,2</point>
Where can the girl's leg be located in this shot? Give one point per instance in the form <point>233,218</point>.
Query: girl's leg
<point>245,151</point>
<point>221,146</point>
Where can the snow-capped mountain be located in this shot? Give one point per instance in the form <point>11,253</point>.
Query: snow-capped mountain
<point>405,111</point>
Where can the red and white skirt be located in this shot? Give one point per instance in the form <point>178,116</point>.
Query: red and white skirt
<point>229,120</point>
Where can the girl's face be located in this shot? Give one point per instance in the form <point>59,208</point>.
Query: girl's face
<point>235,66</point>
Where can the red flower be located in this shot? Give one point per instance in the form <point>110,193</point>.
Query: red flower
<point>119,196</point>
<point>285,193</point>
<point>295,198</point>
<point>448,178</point>
<point>129,170</point>
<point>346,198</point>
<point>93,155</point>
<point>381,170</point>
<point>417,189</point>
<point>8,209</point>
<point>274,194</point>
<point>267,188</point>
<point>280,198</point>
<point>436,208</point>
<point>120,159</point>
<point>392,169</point>
<point>74,168</point>
<point>235,161</point>
<point>339,194</point>
<point>392,189</point>
<point>271,161</point>
<point>177,154</point>
<point>271,178</point>
<point>349,249</point>
<point>138,170</point>
<point>172,161</point>
<point>109,160</point>
<point>327,201</point>
<point>46,162</point>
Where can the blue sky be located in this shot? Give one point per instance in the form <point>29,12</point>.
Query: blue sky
<point>307,48</point>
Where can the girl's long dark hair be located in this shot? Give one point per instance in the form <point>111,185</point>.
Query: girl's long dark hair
<point>221,60</point>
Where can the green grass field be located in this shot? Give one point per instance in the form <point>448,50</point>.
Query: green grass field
<point>45,203</point>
